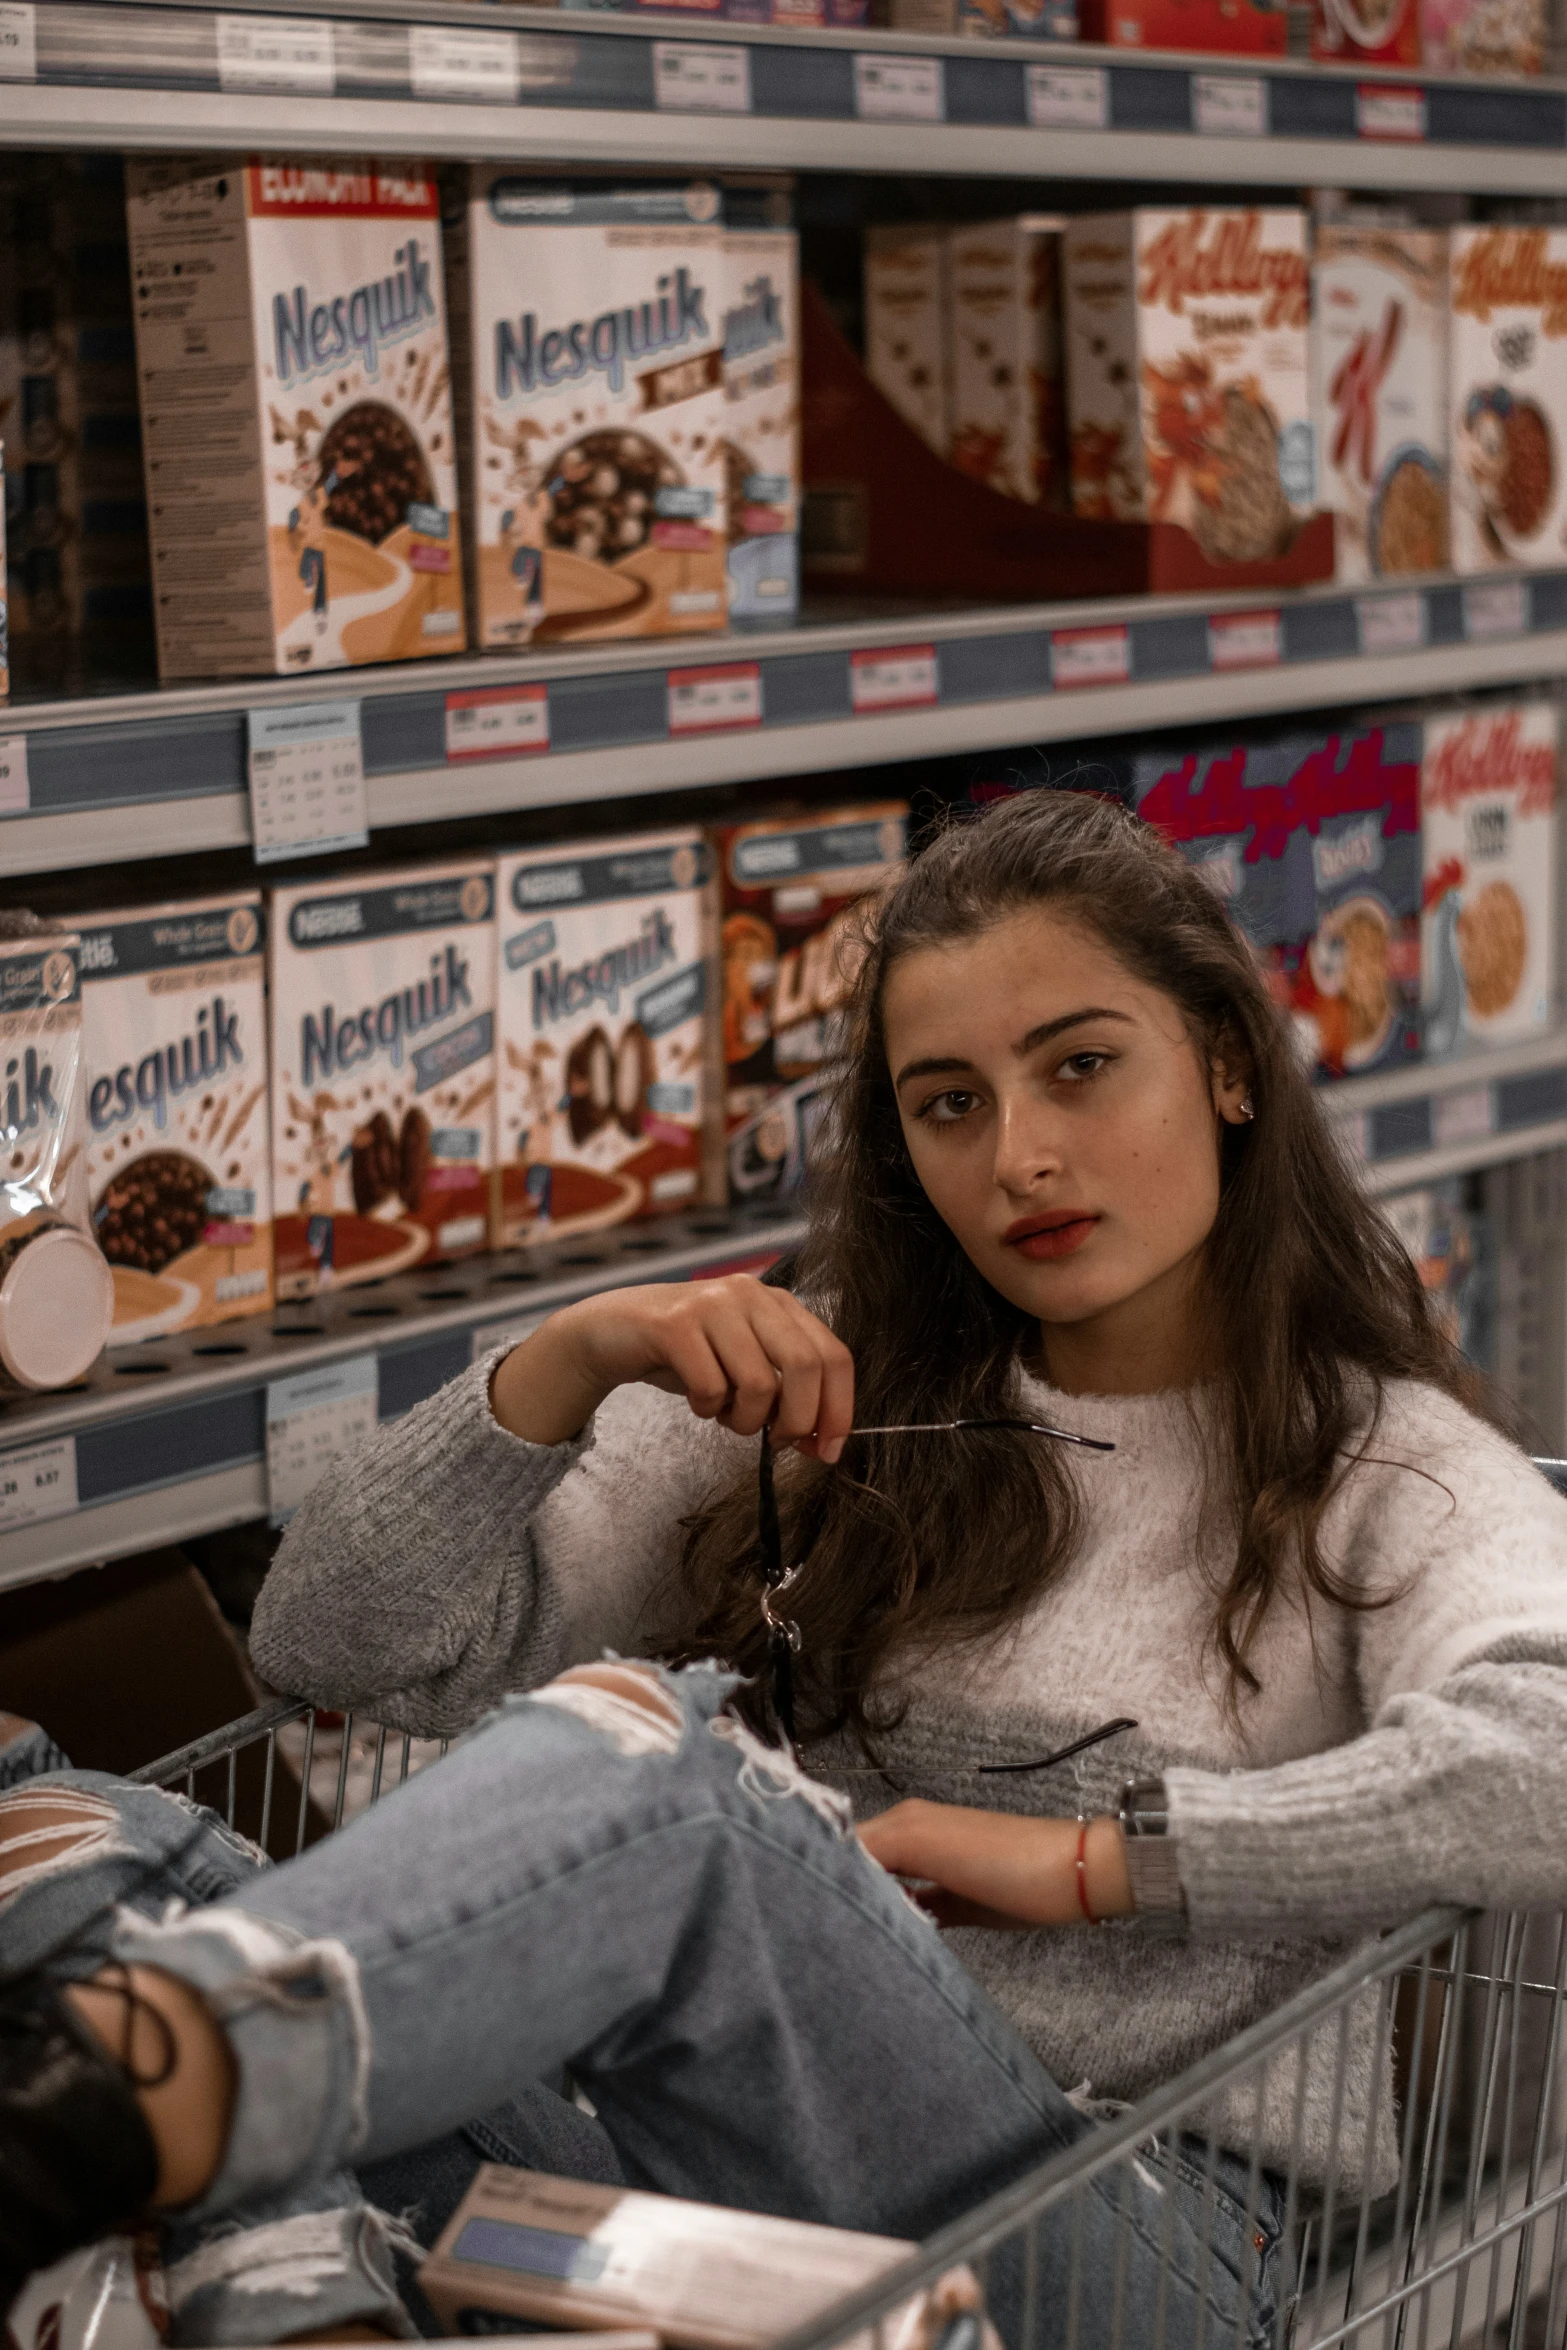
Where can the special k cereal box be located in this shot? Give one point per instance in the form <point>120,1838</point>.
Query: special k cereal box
<point>1508,363</point>
<point>1488,819</point>
<point>1008,396</point>
<point>174,1035</point>
<point>382,997</point>
<point>604,1109</point>
<point>790,894</point>
<point>596,409</point>
<point>762,424</point>
<point>1381,346</point>
<point>906,327</point>
<point>1188,374</point>
<point>296,413</point>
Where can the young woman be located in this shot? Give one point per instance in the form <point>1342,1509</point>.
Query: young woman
<point>1077,1181</point>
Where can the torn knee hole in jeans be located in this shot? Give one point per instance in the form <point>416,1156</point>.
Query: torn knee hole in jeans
<point>770,1774</point>
<point>48,1835</point>
<point>628,1705</point>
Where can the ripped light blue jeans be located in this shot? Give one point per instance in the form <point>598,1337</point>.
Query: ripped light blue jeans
<point>646,1895</point>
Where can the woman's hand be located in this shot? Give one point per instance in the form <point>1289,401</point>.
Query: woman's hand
<point>990,1868</point>
<point>741,1354</point>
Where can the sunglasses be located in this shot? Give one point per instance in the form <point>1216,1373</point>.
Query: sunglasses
<point>783,1634</point>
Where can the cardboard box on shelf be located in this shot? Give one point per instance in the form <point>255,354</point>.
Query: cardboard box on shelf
<point>1488,801</point>
<point>761,331</point>
<point>1381,348</point>
<point>179,1163</point>
<point>1484,36</point>
<point>1004,357</point>
<point>605,1105</point>
<point>382,1005</point>
<point>790,888</point>
<point>296,403</point>
<point>1366,32</point>
<point>906,327</point>
<point>1507,359</point>
<point>1251,28</point>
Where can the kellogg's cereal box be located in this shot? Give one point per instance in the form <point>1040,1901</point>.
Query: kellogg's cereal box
<point>596,408</point>
<point>790,889</point>
<point>179,1169</point>
<point>1488,816</point>
<point>762,424</point>
<point>295,395</point>
<point>1508,366</point>
<point>1238,27</point>
<point>906,327</point>
<point>1381,299</point>
<point>1483,36</point>
<point>382,991</point>
<point>1008,397</point>
<point>1188,374</point>
<point>1366,32</point>
<point>604,1108</point>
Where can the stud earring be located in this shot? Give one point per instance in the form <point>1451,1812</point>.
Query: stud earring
<point>1248,1109</point>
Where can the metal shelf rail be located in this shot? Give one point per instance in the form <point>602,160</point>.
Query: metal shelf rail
<point>159,772</point>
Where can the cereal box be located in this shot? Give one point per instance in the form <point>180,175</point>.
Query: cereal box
<point>1483,36</point>
<point>1253,28</point>
<point>1188,374</point>
<point>382,992</point>
<point>178,1164</point>
<point>597,411</point>
<point>1004,362</point>
<point>1366,32</point>
<point>790,891</point>
<point>762,424</point>
<point>1381,302</point>
<point>1507,357</point>
<point>603,1100</point>
<point>301,481</point>
<point>906,326</point>
<point>1488,817</point>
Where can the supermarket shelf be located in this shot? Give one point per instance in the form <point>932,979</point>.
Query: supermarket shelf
<point>1419,1124</point>
<point>588,89</point>
<point>159,772</point>
<point>147,1471</point>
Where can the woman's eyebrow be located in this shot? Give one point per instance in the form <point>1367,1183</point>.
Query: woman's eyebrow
<point>1052,1028</point>
<point>929,1069</point>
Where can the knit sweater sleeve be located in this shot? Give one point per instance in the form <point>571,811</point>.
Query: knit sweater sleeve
<point>446,1561</point>
<point>1456,1789</point>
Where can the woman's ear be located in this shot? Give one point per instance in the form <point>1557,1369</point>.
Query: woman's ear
<point>1232,1095</point>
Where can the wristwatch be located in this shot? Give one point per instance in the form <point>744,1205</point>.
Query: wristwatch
<point>1152,1862</point>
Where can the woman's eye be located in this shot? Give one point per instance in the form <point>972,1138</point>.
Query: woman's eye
<point>945,1109</point>
<point>1079,1066</point>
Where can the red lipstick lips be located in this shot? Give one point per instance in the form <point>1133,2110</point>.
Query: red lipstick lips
<point>1056,1232</point>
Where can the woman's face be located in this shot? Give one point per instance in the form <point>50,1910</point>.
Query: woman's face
<point>1065,1128</point>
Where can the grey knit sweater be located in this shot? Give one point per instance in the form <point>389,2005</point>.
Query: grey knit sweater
<point>1413,1754</point>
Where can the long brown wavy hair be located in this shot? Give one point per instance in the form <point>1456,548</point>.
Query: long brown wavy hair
<point>911,1546</point>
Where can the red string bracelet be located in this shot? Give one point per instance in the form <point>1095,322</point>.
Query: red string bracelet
<point>1082,1873</point>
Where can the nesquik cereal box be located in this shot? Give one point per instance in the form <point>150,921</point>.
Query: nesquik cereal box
<point>603,987</point>
<point>1381,344</point>
<point>906,327</point>
<point>596,408</point>
<point>1488,820</point>
<point>762,424</point>
<point>1508,400</point>
<point>1188,374</point>
<point>382,1002</point>
<point>296,405</point>
<point>1008,397</point>
<point>179,1172</point>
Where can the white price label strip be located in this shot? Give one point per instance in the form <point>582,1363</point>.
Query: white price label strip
<point>311,1419</point>
<point>38,1481</point>
<point>1499,607</point>
<point>701,77</point>
<point>1461,1117</point>
<point>899,89</point>
<point>703,700</point>
<point>1245,640</point>
<point>463,61</point>
<point>1068,97</point>
<point>1090,656</point>
<point>1230,105</point>
<point>1389,114</point>
<point>903,678</point>
<point>276,53</point>
<point>13,776</point>
<point>497,721</point>
<point>307,780</point>
<point>1391,624</point>
<point>18,41</point>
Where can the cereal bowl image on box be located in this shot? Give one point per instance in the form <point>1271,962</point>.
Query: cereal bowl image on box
<point>1488,821</point>
<point>1509,396</point>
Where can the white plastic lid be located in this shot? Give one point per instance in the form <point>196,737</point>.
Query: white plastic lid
<point>56,1308</point>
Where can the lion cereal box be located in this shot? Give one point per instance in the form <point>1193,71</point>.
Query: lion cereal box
<point>762,424</point>
<point>596,408</point>
<point>296,404</point>
<point>1008,398</point>
<point>1188,376</point>
<point>906,327</point>
<point>602,1093</point>
<point>790,899</point>
<point>1381,347</point>
<point>178,1165</point>
<point>1488,817</point>
<point>1508,363</point>
<point>382,998</point>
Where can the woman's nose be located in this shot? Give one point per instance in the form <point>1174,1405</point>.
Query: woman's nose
<point>1027,1145</point>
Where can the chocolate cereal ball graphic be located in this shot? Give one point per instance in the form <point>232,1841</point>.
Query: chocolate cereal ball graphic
<point>371,470</point>
<point>375,1170</point>
<point>1493,946</point>
<point>152,1210</point>
<point>635,1071</point>
<point>602,493</point>
<point>590,1085</point>
<point>414,1154</point>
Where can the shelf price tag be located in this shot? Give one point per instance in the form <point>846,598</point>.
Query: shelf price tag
<point>1391,624</point>
<point>899,89</point>
<point>307,780</point>
<point>37,1481</point>
<point>1468,1116</point>
<point>1090,656</point>
<point>1382,113</point>
<point>276,53</point>
<point>1068,97</point>
<point>18,41</point>
<point>497,721</point>
<point>701,77</point>
<point>701,701</point>
<point>902,677</point>
<point>463,61</point>
<point>311,1419</point>
<point>14,800</point>
<point>1245,640</point>
<point>1496,607</point>
<point>1230,105</point>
